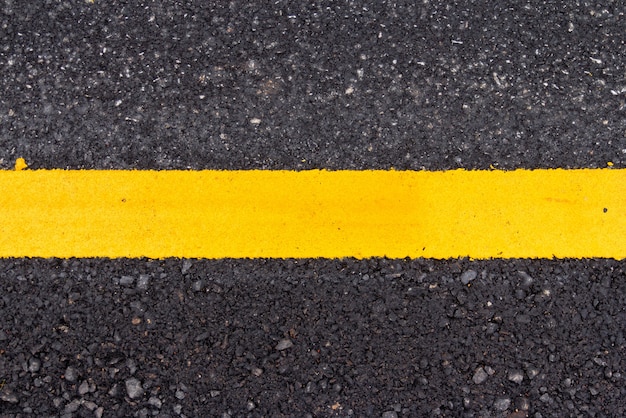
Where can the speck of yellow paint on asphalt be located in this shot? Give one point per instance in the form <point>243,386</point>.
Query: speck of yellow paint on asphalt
<point>20,164</point>
<point>331,214</point>
<point>610,164</point>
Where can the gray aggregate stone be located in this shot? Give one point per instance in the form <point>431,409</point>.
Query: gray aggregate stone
<point>480,376</point>
<point>545,398</point>
<point>127,280</point>
<point>34,365</point>
<point>71,374</point>
<point>527,280</point>
<point>186,266</point>
<point>390,414</point>
<point>531,371</point>
<point>72,406</point>
<point>132,366</point>
<point>502,404</point>
<point>90,405</point>
<point>284,344</point>
<point>522,403</point>
<point>142,283</point>
<point>156,402</point>
<point>468,276</point>
<point>8,395</point>
<point>83,388</point>
<point>516,376</point>
<point>114,391</point>
<point>134,388</point>
<point>198,285</point>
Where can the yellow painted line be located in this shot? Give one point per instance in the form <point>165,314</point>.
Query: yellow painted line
<point>215,214</point>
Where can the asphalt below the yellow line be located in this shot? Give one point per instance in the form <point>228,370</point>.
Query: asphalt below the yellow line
<point>423,87</point>
<point>311,214</point>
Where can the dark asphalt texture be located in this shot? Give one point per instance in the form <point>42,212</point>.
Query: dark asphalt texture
<point>347,85</point>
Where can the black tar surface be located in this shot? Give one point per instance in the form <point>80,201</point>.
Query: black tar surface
<point>313,338</point>
<point>410,85</point>
<point>349,85</point>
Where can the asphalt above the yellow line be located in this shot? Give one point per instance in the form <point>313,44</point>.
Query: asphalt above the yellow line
<point>309,214</point>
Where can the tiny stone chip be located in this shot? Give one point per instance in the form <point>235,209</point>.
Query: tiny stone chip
<point>284,344</point>
<point>134,388</point>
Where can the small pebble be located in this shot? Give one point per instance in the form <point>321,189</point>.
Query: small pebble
<point>34,365</point>
<point>7,395</point>
<point>186,266</point>
<point>310,387</point>
<point>516,376</point>
<point>532,372</point>
<point>526,279</point>
<point>142,283</point>
<point>156,402</point>
<point>83,388</point>
<point>198,285</point>
<point>126,280</point>
<point>90,405</point>
<point>203,336</point>
<point>132,366</point>
<point>545,398</point>
<point>71,374</point>
<point>480,375</point>
<point>468,276</point>
<point>502,404</point>
<point>390,414</point>
<point>522,403</point>
<point>284,344</point>
<point>72,406</point>
<point>133,388</point>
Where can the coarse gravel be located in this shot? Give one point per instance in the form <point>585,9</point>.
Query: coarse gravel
<point>312,338</point>
<point>300,85</point>
<point>273,85</point>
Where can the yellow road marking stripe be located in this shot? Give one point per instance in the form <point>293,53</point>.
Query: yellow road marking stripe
<point>215,214</point>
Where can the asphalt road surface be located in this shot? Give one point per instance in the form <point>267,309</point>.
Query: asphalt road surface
<point>241,85</point>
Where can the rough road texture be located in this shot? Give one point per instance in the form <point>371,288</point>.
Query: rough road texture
<point>313,338</point>
<point>411,85</point>
<point>238,85</point>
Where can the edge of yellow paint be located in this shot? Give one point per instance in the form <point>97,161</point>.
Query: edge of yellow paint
<point>21,165</point>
